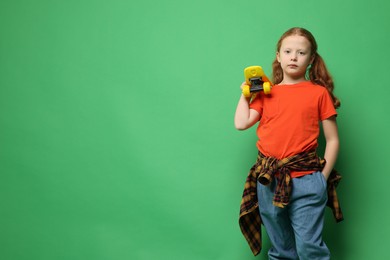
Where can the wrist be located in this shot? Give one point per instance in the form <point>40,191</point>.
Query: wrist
<point>246,98</point>
<point>326,174</point>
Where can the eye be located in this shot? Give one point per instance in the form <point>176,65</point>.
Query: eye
<point>287,51</point>
<point>302,53</point>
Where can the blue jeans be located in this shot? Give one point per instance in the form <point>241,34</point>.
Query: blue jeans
<point>295,231</point>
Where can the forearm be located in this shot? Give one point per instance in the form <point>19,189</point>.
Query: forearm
<point>242,115</point>
<point>331,153</point>
<point>332,145</point>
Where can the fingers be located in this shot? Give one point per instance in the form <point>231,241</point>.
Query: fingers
<point>242,85</point>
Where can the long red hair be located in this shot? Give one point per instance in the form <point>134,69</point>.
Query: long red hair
<point>318,73</point>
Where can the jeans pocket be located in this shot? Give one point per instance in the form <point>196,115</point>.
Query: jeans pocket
<point>323,180</point>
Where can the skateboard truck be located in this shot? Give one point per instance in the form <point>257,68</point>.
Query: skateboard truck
<point>256,81</point>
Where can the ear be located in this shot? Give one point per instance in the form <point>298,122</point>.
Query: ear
<point>278,56</point>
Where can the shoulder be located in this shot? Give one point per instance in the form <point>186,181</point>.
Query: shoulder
<point>312,85</point>
<point>318,89</point>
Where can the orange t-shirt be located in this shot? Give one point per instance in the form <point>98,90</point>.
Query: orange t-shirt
<point>289,119</point>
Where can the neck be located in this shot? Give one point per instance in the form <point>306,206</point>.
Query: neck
<point>290,81</point>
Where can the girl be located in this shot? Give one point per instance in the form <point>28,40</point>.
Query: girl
<point>289,185</point>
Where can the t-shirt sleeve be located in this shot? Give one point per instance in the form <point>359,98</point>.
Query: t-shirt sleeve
<point>326,107</point>
<point>257,104</point>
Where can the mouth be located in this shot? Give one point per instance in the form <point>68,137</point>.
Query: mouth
<point>292,66</point>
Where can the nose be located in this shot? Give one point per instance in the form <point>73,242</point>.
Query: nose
<point>293,57</point>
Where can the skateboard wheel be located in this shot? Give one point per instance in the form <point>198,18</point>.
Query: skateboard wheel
<point>266,88</point>
<point>246,91</point>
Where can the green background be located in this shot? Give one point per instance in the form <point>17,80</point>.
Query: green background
<point>116,124</point>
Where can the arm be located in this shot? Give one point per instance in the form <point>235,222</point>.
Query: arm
<point>332,144</point>
<point>245,117</point>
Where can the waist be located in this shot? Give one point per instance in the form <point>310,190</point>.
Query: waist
<point>298,165</point>
<point>297,174</point>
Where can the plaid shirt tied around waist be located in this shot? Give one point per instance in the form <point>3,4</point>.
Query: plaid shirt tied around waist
<point>264,171</point>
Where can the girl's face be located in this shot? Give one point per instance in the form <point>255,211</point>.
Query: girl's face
<point>294,56</point>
